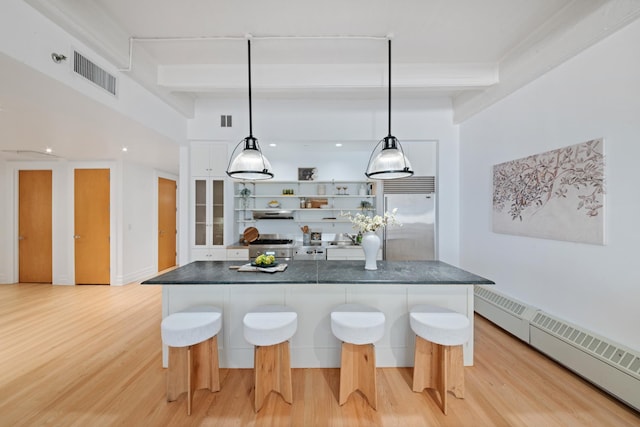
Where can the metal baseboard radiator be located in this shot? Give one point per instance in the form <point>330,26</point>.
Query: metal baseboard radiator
<point>610,366</point>
<point>510,314</point>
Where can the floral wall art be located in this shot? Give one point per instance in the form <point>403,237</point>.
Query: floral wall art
<point>556,195</point>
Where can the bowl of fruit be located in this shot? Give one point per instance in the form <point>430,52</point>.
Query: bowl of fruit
<point>264,261</point>
<point>274,204</point>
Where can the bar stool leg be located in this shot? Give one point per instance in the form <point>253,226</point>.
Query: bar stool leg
<point>204,365</point>
<point>456,371</point>
<point>439,367</point>
<point>358,372</point>
<point>272,372</point>
<point>193,368</point>
<point>177,381</point>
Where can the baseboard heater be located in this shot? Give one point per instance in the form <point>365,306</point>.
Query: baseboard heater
<point>608,365</point>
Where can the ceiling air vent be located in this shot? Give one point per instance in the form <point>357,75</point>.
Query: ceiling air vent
<point>93,73</point>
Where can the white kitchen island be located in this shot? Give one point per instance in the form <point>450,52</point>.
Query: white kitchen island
<point>313,289</point>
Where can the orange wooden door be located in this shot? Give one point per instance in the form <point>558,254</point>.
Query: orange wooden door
<point>166,223</point>
<point>34,226</point>
<point>92,225</point>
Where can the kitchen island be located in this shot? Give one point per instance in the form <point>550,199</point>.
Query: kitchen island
<point>313,288</point>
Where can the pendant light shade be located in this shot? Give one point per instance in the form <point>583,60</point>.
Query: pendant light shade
<point>390,162</point>
<point>250,163</point>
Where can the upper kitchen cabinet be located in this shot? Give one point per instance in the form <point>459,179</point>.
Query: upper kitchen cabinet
<point>208,159</point>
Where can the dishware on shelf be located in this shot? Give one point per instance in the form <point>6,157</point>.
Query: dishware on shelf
<point>274,204</point>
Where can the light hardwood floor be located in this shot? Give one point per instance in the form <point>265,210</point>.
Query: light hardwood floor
<point>90,356</point>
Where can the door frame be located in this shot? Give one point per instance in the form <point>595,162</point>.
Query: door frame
<point>13,216</point>
<point>40,249</point>
<point>115,244</point>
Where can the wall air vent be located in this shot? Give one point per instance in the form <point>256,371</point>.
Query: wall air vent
<point>411,185</point>
<point>93,73</point>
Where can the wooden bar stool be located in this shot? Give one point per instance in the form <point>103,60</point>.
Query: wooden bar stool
<point>358,327</point>
<point>438,363</point>
<point>192,337</point>
<point>269,328</point>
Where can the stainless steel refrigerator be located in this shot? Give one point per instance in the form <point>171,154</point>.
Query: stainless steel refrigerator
<point>416,239</point>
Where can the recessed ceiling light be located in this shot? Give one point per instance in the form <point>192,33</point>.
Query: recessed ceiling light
<point>125,149</point>
<point>272,145</point>
<point>338,145</point>
<point>48,150</point>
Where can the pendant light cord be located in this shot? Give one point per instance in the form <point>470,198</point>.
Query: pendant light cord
<point>389,112</point>
<point>249,62</point>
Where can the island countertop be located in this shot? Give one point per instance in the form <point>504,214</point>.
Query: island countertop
<point>321,272</point>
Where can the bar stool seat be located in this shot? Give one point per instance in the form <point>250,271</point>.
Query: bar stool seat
<point>269,328</point>
<point>193,351</point>
<point>438,360</point>
<point>358,327</point>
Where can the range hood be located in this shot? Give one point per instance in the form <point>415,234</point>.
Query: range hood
<point>273,214</point>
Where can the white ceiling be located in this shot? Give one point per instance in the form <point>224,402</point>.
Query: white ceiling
<point>474,51</point>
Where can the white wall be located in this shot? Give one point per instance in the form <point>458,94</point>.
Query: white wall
<point>596,94</point>
<point>139,223</point>
<point>358,124</point>
<point>30,38</point>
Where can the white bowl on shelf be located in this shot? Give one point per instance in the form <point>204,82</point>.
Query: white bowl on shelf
<point>273,204</point>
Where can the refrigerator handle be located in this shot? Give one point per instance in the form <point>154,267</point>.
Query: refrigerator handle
<point>384,233</point>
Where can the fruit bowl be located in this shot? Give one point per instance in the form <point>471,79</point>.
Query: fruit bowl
<point>274,204</point>
<point>264,261</point>
<point>273,264</point>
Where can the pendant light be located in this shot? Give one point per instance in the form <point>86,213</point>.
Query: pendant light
<point>250,163</point>
<point>390,162</point>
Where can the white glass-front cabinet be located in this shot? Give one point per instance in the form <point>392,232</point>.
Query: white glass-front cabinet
<point>208,219</point>
<point>208,163</point>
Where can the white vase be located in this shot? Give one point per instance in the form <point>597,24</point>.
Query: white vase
<point>370,245</point>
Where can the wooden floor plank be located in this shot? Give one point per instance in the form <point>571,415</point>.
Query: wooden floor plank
<point>91,355</point>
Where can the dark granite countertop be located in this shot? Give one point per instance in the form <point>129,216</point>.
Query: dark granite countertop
<point>321,272</point>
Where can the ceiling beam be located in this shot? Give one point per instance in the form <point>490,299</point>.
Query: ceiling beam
<point>226,77</point>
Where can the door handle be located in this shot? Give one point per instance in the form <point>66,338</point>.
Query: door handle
<point>76,236</point>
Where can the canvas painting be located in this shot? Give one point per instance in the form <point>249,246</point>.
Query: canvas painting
<point>556,195</point>
<point>307,174</point>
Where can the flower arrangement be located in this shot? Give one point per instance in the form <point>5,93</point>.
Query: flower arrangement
<point>366,223</point>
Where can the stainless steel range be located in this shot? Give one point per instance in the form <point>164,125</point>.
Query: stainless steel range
<point>310,253</point>
<point>281,247</point>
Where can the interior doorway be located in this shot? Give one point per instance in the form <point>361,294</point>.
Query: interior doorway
<point>35,226</point>
<point>92,226</point>
<point>166,223</point>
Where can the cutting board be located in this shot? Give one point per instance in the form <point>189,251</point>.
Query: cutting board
<point>250,234</point>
